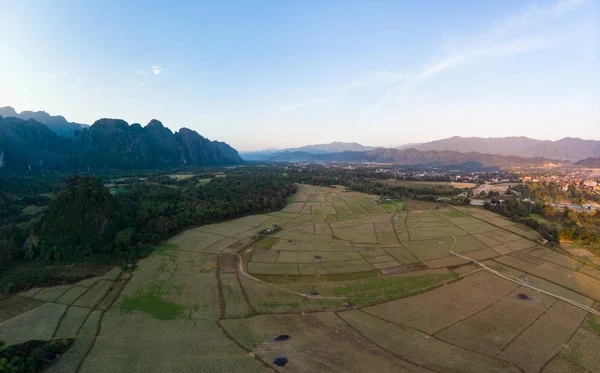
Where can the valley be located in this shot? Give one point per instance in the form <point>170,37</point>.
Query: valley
<point>299,187</point>
<point>356,284</point>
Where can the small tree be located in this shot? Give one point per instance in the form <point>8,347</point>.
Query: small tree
<point>123,239</point>
<point>549,211</point>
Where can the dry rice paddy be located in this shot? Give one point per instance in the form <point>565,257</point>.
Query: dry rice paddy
<point>357,286</point>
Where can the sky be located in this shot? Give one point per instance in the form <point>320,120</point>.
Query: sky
<point>277,74</point>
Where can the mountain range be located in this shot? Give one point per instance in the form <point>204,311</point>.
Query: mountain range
<point>570,149</point>
<point>413,157</point>
<point>589,162</point>
<point>56,123</point>
<point>333,147</point>
<point>39,141</point>
<point>108,143</point>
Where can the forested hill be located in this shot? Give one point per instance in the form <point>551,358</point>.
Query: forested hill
<point>589,162</point>
<point>108,143</point>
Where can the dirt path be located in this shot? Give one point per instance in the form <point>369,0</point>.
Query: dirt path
<point>522,283</point>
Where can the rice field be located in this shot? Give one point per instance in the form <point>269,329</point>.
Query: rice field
<point>357,286</point>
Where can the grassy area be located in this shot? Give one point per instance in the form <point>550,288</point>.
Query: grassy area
<point>439,186</point>
<point>389,207</point>
<point>264,243</point>
<point>543,220</point>
<point>452,213</point>
<point>27,224</point>
<point>390,287</point>
<point>118,190</point>
<point>539,218</point>
<point>291,199</point>
<point>181,176</point>
<point>33,210</point>
<point>594,248</point>
<point>153,305</point>
<point>593,324</point>
<point>324,277</point>
<point>163,250</point>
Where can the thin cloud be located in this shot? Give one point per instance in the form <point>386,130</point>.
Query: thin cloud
<point>382,101</point>
<point>511,35</point>
<point>50,78</point>
<point>156,70</point>
<point>313,101</point>
<point>320,100</point>
<point>389,77</point>
<point>336,94</point>
<point>506,38</point>
<point>468,56</point>
<point>351,86</point>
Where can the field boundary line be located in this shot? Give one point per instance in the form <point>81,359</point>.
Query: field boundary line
<point>99,326</point>
<point>516,281</point>
<point>497,226</point>
<point>527,327</point>
<point>239,282</point>
<point>308,296</point>
<point>477,312</point>
<point>195,252</point>
<point>374,343</point>
<point>536,276</point>
<point>62,317</point>
<point>72,305</point>
<point>220,288</point>
<point>562,348</point>
<point>433,336</point>
<point>267,365</point>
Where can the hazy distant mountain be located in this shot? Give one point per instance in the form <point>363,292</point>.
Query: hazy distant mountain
<point>407,146</point>
<point>56,123</point>
<point>572,149</point>
<point>108,143</point>
<point>412,157</point>
<point>589,162</point>
<point>333,147</point>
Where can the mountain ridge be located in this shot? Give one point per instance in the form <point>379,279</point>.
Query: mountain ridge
<point>568,148</point>
<point>332,147</point>
<point>56,123</point>
<point>108,143</point>
<point>572,149</point>
<point>593,162</point>
<point>413,157</point>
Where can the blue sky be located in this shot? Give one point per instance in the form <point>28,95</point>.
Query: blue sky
<point>261,74</point>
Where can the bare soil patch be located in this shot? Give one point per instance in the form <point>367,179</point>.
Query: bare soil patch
<point>413,345</point>
<point>227,263</point>
<point>490,330</point>
<point>544,338</point>
<point>444,306</point>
